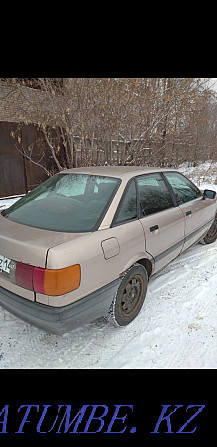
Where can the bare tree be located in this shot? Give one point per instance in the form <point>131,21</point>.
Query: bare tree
<point>87,121</point>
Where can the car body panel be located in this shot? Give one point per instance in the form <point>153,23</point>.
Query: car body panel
<point>126,172</point>
<point>5,282</point>
<point>161,247</point>
<point>198,216</point>
<point>27,244</point>
<point>106,254</point>
<point>97,271</point>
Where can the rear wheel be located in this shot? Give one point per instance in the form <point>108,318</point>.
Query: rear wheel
<point>211,235</point>
<point>129,297</point>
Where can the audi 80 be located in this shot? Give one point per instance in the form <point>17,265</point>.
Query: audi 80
<point>85,242</point>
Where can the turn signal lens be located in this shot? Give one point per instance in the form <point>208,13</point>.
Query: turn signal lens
<point>45,281</point>
<point>56,282</point>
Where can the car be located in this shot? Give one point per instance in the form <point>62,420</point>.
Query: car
<point>85,243</point>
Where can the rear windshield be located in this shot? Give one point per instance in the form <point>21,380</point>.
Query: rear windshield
<point>66,202</point>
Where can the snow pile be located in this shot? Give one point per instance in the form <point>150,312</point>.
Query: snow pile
<point>5,203</point>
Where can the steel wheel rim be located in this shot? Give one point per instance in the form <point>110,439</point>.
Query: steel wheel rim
<point>131,295</point>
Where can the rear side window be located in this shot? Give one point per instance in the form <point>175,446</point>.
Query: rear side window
<point>154,194</point>
<point>128,206</point>
<point>183,188</point>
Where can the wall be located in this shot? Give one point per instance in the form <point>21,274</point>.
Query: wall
<point>17,174</point>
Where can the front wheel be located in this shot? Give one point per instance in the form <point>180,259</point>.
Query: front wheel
<point>211,235</point>
<point>129,297</point>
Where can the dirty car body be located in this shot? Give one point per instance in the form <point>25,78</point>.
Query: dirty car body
<point>85,243</point>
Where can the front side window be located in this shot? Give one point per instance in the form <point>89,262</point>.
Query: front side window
<point>66,202</point>
<point>184,189</point>
<point>128,206</point>
<point>154,195</point>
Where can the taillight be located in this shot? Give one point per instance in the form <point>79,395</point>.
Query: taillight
<point>56,282</point>
<point>45,281</point>
<point>39,279</point>
<point>22,274</point>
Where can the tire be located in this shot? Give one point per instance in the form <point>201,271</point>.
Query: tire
<point>129,297</point>
<point>211,235</point>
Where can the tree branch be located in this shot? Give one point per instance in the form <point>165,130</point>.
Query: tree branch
<point>37,163</point>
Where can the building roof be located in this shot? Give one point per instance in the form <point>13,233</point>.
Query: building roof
<point>21,103</point>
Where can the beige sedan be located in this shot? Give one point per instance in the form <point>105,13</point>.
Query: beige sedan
<point>85,243</point>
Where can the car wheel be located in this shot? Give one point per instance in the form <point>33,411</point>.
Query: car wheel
<point>129,297</point>
<point>211,235</point>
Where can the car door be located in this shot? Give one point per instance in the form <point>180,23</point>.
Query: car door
<point>126,243</point>
<point>163,222</point>
<point>198,213</point>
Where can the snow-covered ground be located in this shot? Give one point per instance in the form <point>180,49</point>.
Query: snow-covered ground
<point>176,328</point>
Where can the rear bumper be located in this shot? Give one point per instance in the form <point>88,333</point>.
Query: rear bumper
<point>59,320</point>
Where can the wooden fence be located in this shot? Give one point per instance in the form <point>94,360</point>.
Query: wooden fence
<point>18,174</point>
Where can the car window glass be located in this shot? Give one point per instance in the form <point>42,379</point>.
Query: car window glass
<point>72,186</point>
<point>154,194</point>
<point>66,202</point>
<point>128,208</point>
<point>69,186</point>
<point>183,189</point>
<point>105,181</point>
<point>148,181</point>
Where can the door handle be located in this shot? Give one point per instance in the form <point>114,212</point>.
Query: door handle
<point>155,227</point>
<point>188,213</point>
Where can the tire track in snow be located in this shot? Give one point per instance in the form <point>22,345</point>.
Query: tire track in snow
<point>204,293</point>
<point>168,324</point>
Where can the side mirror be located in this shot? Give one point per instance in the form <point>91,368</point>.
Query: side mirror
<point>209,194</point>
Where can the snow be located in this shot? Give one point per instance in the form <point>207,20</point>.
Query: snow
<point>176,328</point>
<point>7,202</point>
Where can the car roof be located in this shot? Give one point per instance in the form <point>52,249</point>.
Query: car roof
<point>115,171</point>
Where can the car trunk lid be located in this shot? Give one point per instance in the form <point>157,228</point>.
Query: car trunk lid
<point>27,244</point>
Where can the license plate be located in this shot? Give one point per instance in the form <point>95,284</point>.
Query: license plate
<point>5,265</point>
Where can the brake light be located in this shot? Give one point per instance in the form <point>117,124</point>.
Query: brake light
<point>45,281</point>
<point>39,279</point>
